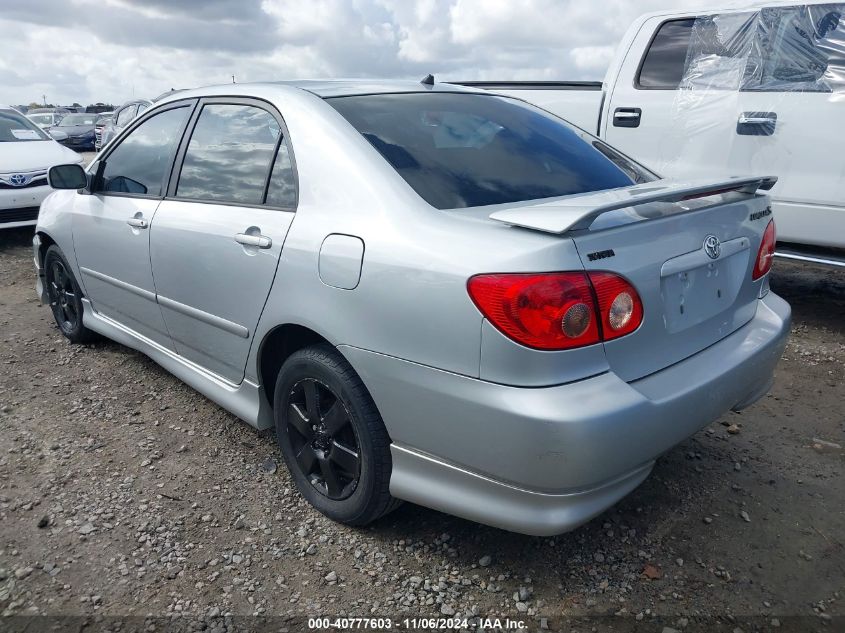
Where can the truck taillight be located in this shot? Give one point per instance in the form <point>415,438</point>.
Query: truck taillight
<point>766,253</point>
<point>557,311</point>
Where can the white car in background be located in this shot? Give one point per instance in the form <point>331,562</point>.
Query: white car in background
<point>26,153</point>
<point>46,117</point>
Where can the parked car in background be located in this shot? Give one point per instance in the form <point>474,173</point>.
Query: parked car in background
<point>121,117</point>
<point>26,153</point>
<point>45,118</point>
<point>103,118</point>
<point>99,107</point>
<point>78,129</point>
<point>433,293</point>
<point>702,93</point>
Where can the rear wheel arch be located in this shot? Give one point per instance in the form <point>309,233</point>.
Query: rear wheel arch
<point>277,346</point>
<point>281,343</point>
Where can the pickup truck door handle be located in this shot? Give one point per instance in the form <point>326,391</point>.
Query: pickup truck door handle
<point>137,222</point>
<point>261,241</point>
<point>627,117</point>
<point>756,123</point>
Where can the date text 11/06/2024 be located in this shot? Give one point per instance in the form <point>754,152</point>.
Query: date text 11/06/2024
<point>416,623</point>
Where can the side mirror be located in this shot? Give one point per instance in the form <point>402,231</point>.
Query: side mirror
<point>67,177</point>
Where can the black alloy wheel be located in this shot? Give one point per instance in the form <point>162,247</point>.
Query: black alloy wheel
<point>332,437</point>
<point>64,299</point>
<point>323,439</point>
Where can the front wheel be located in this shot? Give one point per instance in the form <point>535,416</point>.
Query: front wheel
<point>65,297</point>
<point>332,437</point>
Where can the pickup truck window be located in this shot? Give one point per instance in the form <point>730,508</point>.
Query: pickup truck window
<point>776,49</point>
<point>665,60</point>
<point>462,150</point>
<point>803,49</point>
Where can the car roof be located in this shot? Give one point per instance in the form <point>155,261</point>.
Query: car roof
<point>348,87</point>
<point>324,88</point>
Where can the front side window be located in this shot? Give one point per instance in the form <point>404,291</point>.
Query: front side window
<point>16,127</point>
<point>803,48</point>
<point>466,150</point>
<point>140,163</point>
<point>229,154</point>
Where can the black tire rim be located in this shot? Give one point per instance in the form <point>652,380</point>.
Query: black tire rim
<point>63,298</point>
<point>325,446</point>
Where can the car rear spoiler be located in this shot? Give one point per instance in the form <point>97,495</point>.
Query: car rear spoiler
<point>578,211</point>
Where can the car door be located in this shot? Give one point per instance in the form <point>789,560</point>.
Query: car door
<point>676,132</point>
<point>111,226</point>
<point>217,237</point>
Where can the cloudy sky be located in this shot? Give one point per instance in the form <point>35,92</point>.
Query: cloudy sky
<point>111,50</point>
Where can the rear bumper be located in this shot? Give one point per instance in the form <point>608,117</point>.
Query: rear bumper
<point>545,460</point>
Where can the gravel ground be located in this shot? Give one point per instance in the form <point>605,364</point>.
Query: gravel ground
<point>125,493</point>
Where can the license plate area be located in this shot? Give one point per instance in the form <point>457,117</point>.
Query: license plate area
<point>696,288</point>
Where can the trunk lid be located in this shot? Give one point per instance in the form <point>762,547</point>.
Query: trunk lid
<point>656,239</point>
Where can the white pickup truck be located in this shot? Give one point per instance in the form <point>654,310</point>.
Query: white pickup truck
<point>757,90</point>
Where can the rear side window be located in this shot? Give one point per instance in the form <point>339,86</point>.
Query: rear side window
<point>665,60</point>
<point>466,150</point>
<point>281,192</point>
<point>139,163</point>
<point>229,154</point>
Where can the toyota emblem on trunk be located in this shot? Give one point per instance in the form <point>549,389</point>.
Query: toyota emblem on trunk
<point>712,246</point>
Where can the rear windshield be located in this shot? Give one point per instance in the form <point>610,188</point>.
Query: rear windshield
<point>466,150</point>
<point>16,127</point>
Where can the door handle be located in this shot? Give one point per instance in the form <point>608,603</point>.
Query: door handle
<point>627,117</point>
<point>138,223</point>
<point>261,241</point>
<point>756,120</point>
<point>756,123</point>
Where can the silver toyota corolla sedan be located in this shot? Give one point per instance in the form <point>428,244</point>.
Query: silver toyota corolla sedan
<point>432,293</point>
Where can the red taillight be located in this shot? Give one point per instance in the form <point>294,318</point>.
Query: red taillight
<point>766,253</point>
<point>555,311</point>
<point>619,305</point>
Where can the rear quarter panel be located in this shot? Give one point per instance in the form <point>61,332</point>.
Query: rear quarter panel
<point>411,301</point>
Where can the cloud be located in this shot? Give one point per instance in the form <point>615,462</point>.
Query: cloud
<point>112,50</point>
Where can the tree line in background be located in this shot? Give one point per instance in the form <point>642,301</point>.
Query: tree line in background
<point>77,107</point>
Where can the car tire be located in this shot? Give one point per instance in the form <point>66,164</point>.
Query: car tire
<point>325,419</point>
<point>65,297</point>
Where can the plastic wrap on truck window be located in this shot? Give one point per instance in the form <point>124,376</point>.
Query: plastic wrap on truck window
<point>776,49</point>
<point>753,79</point>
